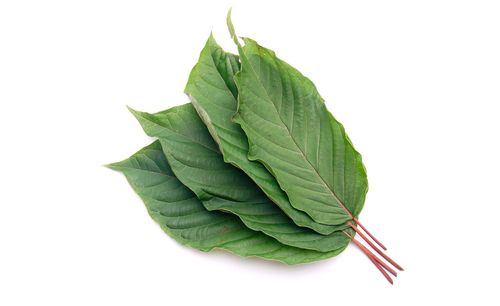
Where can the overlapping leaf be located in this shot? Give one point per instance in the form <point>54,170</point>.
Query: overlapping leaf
<point>292,133</point>
<point>182,216</point>
<point>256,165</point>
<point>198,164</point>
<point>213,92</point>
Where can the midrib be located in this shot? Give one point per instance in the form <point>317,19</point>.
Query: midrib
<point>295,143</point>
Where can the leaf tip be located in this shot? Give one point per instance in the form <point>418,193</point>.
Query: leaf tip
<point>130,109</point>
<point>228,16</point>
<point>211,42</point>
<point>112,166</point>
<point>137,114</point>
<point>230,27</point>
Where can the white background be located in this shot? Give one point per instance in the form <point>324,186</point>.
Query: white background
<point>416,83</point>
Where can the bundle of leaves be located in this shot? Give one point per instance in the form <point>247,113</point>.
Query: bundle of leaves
<point>255,164</point>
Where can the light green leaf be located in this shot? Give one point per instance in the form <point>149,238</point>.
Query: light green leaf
<point>213,93</point>
<point>198,164</point>
<point>182,216</point>
<point>292,133</point>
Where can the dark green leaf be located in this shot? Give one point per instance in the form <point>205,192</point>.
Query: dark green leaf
<point>292,133</point>
<point>213,93</point>
<point>182,216</point>
<point>198,164</point>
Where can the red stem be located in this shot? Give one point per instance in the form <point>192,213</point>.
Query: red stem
<point>382,263</point>
<point>369,234</point>
<point>373,259</point>
<point>392,262</point>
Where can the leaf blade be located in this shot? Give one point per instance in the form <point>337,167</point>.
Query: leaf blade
<point>170,204</point>
<point>292,133</point>
<point>216,103</point>
<point>220,186</point>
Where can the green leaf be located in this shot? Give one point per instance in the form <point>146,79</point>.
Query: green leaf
<point>199,165</point>
<point>182,216</point>
<point>213,92</point>
<point>292,133</point>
